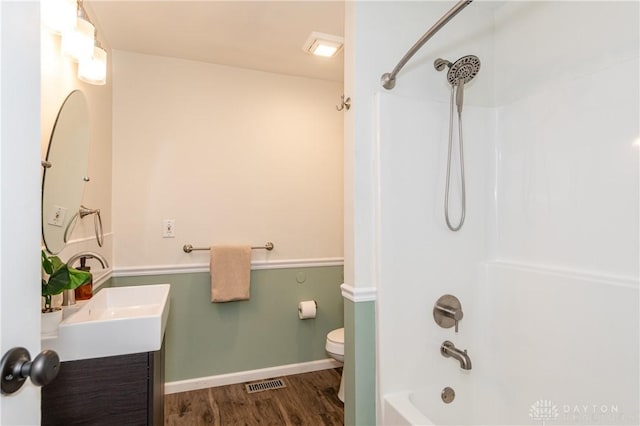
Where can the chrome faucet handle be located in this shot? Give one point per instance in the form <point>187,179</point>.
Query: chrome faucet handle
<point>447,312</point>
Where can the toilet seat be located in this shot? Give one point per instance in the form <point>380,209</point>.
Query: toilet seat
<point>335,342</point>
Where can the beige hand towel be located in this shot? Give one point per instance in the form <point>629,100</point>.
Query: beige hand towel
<point>230,273</point>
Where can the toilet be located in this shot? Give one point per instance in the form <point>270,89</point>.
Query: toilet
<point>335,349</point>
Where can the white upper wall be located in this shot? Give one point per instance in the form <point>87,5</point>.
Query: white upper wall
<point>232,155</point>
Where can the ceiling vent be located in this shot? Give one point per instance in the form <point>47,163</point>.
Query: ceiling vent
<point>321,44</point>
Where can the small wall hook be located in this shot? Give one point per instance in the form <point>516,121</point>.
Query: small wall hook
<point>344,104</point>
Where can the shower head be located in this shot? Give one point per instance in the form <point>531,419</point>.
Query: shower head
<point>464,69</point>
<point>460,73</point>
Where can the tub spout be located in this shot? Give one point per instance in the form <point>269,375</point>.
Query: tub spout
<point>448,349</point>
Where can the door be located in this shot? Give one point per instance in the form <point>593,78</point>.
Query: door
<point>20,197</point>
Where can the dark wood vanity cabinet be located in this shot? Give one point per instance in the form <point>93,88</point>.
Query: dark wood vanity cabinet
<point>118,390</point>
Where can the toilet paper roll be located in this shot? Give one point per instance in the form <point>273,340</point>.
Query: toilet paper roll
<point>307,309</point>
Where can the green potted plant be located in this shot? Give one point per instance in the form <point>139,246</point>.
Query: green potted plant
<point>60,277</point>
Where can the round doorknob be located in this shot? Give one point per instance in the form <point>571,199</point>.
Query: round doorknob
<point>16,366</point>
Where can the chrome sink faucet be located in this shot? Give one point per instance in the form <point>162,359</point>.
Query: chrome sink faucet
<point>448,349</point>
<point>88,255</point>
<point>68,296</point>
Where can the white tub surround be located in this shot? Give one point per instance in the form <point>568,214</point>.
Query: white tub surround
<point>537,327</point>
<point>547,263</point>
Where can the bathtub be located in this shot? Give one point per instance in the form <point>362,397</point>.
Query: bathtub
<point>422,408</point>
<point>425,407</point>
<point>400,410</point>
<point>545,348</point>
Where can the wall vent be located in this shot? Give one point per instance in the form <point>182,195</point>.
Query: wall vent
<point>266,385</point>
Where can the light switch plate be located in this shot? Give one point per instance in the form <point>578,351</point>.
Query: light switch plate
<point>57,215</point>
<point>168,228</point>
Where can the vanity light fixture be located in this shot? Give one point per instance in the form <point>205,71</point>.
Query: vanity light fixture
<point>59,16</point>
<point>79,41</point>
<point>321,44</point>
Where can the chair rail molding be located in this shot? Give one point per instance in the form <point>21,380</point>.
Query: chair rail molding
<point>358,294</point>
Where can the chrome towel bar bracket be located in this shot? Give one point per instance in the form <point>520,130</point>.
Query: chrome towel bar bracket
<point>188,248</point>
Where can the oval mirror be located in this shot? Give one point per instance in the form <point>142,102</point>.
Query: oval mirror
<point>65,171</point>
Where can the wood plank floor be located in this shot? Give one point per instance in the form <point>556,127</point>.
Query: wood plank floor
<point>309,399</point>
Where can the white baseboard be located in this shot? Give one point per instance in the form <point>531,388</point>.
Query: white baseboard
<point>248,376</point>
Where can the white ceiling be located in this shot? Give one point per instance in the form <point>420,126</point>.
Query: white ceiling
<point>260,35</point>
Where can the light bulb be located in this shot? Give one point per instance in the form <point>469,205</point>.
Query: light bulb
<point>78,43</point>
<point>321,44</point>
<point>93,69</point>
<point>326,49</point>
<point>59,15</point>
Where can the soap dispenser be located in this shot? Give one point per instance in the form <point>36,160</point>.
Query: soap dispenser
<point>85,292</point>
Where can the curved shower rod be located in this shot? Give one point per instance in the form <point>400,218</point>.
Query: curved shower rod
<point>388,79</point>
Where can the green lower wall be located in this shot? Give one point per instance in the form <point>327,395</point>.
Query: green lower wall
<point>206,339</point>
<point>360,363</point>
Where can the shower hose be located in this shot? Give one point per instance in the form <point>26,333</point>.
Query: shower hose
<point>446,193</point>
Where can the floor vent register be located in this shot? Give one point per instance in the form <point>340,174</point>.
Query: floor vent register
<point>266,385</point>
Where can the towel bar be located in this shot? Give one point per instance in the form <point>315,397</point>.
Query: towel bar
<point>188,248</point>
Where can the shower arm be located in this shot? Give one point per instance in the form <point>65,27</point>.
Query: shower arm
<point>388,79</point>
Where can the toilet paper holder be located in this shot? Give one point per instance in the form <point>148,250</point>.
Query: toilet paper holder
<point>305,311</point>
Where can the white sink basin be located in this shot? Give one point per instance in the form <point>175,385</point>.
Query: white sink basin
<point>116,321</point>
